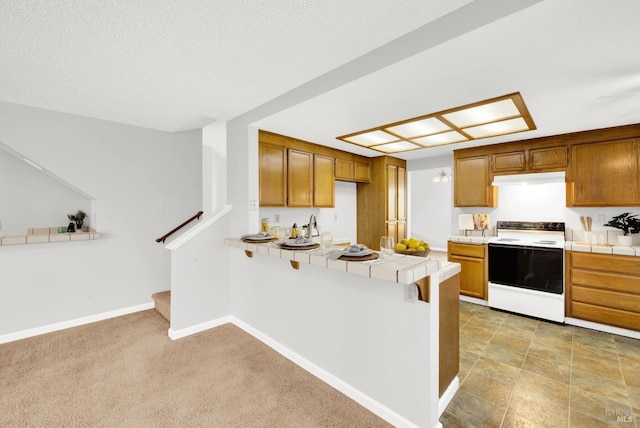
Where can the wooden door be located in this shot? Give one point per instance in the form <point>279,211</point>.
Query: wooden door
<point>402,194</point>
<point>272,161</point>
<point>300,178</point>
<point>605,174</point>
<point>392,192</point>
<point>323,181</point>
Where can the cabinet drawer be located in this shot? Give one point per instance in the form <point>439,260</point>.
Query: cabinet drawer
<point>605,298</point>
<point>468,250</point>
<point>605,281</point>
<point>629,265</point>
<point>614,317</point>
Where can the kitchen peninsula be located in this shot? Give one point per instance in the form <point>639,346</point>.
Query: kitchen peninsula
<point>359,326</point>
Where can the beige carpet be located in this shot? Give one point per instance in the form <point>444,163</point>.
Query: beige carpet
<point>126,372</point>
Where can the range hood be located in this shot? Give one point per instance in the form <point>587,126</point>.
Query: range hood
<point>526,179</point>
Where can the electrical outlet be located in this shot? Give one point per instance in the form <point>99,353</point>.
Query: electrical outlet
<point>335,216</point>
<point>601,219</point>
<point>276,218</point>
<point>410,293</point>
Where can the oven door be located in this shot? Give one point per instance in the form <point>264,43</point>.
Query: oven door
<point>534,268</point>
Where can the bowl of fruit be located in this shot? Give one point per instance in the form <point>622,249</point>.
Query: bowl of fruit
<point>412,247</point>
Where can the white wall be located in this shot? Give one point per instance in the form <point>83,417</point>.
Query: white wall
<point>145,183</point>
<point>430,207</point>
<point>340,220</point>
<point>31,198</point>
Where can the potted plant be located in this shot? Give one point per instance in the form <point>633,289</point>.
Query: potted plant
<point>628,223</point>
<point>78,219</point>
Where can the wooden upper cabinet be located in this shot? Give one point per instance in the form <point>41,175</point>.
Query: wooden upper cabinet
<point>345,170</point>
<point>353,170</point>
<point>509,162</point>
<point>300,178</point>
<point>530,160</point>
<point>471,185</point>
<point>605,174</point>
<point>362,172</point>
<point>273,175</point>
<point>549,158</point>
<point>323,181</point>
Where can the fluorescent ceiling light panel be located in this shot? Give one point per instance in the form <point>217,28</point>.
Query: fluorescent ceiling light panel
<point>444,138</point>
<point>419,128</point>
<point>400,146</point>
<point>483,113</point>
<point>372,138</point>
<point>498,128</point>
<point>497,116</point>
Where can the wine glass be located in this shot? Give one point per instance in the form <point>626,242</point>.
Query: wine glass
<point>387,245</point>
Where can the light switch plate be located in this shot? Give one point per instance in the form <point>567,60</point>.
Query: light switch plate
<point>253,205</point>
<point>601,219</point>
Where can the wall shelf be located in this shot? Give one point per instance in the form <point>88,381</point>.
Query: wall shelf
<point>45,235</point>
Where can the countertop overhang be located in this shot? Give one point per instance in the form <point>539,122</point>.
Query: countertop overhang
<point>402,269</point>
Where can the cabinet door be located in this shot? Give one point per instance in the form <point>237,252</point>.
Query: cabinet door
<point>392,192</point>
<point>401,232</point>
<point>323,181</point>
<point>300,178</point>
<point>402,193</point>
<point>471,183</point>
<point>392,230</point>
<point>363,172</point>
<point>548,158</point>
<point>508,162</point>
<point>345,170</point>
<point>472,276</point>
<point>605,174</point>
<point>272,162</point>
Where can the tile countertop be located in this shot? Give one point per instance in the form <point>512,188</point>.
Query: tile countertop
<point>568,246</point>
<point>396,267</point>
<point>602,248</point>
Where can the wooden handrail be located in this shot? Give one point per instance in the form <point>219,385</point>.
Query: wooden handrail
<point>197,216</point>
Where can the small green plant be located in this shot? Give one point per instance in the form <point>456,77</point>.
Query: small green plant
<point>626,222</point>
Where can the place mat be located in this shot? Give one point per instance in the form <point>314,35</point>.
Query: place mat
<point>298,247</point>
<point>258,241</point>
<point>371,256</point>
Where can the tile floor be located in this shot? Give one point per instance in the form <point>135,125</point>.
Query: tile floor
<point>521,372</point>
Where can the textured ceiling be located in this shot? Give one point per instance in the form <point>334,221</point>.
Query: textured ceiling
<point>174,65</point>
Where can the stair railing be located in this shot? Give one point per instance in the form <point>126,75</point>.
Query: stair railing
<point>197,216</point>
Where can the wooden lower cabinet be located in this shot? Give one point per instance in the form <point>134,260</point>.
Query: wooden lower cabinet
<point>603,288</point>
<point>474,273</point>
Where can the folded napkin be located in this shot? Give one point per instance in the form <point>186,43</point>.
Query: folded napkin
<point>353,249</point>
<point>299,240</point>
<point>357,248</point>
<point>257,236</point>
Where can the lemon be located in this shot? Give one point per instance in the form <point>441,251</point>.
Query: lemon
<point>400,246</point>
<point>414,243</point>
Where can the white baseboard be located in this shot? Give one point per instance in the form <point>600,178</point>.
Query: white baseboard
<point>73,323</point>
<point>364,400</point>
<point>448,395</point>
<point>179,334</point>
<point>602,327</point>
